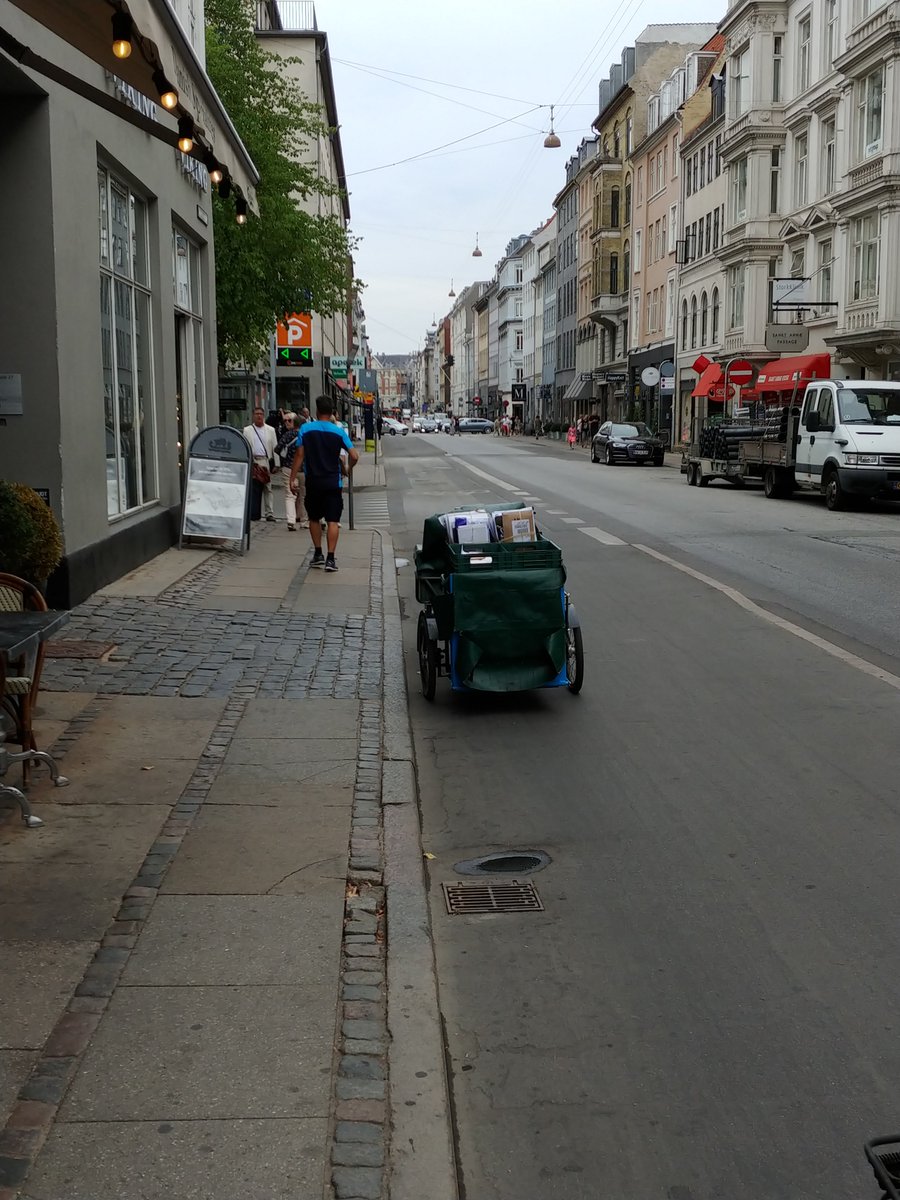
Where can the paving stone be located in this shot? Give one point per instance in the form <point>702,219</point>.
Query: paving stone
<point>357,1183</point>
<point>363,1029</point>
<point>357,1046</point>
<point>354,1154</point>
<point>361,1066</point>
<point>360,1089</point>
<point>358,1131</point>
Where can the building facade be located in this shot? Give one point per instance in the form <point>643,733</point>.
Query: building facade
<point>102,396</point>
<point>566,205</point>
<point>290,32</point>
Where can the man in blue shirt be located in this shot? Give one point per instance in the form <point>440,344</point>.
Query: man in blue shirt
<point>319,446</point>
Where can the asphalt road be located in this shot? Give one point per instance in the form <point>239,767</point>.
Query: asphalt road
<point>707,1008</point>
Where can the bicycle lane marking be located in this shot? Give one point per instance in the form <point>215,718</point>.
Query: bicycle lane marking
<point>845,656</point>
<point>500,483</point>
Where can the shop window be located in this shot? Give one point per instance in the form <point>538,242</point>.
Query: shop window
<point>126,347</point>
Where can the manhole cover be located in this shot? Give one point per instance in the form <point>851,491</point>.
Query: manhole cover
<point>64,649</point>
<point>504,862</point>
<point>512,897</point>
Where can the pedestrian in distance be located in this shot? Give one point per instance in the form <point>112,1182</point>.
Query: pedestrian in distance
<point>318,455</point>
<point>294,510</point>
<point>538,429</point>
<point>571,437</point>
<point>262,441</point>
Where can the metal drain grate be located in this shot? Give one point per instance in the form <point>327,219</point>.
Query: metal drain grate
<point>512,897</point>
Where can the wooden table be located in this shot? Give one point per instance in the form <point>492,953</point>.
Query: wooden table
<point>21,633</point>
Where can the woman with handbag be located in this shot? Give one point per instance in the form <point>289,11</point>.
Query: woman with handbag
<point>262,441</point>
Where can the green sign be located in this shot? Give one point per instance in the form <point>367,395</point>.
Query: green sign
<point>338,368</point>
<point>289,356</point>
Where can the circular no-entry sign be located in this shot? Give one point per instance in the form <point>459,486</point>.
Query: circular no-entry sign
<point>740,372</point>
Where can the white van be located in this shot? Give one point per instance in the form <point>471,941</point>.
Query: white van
<point>848,441</point>
<point>843,442</point>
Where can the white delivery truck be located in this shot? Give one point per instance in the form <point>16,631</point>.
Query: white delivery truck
<point>842,439</point>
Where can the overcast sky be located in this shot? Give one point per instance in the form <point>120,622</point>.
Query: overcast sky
<point>417,221</point>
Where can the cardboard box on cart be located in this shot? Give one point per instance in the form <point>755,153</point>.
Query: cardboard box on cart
<point>516,525</point>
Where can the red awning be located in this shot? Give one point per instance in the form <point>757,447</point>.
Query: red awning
<point>710,377</point>
<point>784,374</point>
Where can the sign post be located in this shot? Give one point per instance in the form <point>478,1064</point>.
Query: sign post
<point>216,502</point>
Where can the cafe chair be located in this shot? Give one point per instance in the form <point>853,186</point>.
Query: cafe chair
<point>19,684</point>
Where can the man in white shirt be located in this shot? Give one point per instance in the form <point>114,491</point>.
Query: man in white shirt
<point>262,441</point>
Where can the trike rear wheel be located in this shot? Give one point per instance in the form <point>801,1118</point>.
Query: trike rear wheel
<point>427,651</point>
<point>574,659</point>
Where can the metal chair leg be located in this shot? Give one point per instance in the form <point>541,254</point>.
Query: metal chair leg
<point>29,756</point>
<point>31,821</point>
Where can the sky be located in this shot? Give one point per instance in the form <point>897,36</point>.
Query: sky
<point>417,221</point>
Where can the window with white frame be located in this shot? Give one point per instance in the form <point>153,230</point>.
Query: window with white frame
<point>704,318</point>
<point>684,324</point>
<point>650,312</point>
<point>801,169</point>
<point>778,49</point>
<point>774,180</point>
<point>869,110</point>
<point>664,241</point>
<point>126,347</point>
<point>804,46</point>
<point>798,263</point>
<point>518,308</point>
<point>520,339</point>
<point>636,260</point>
<point>190,372</point>
<point>693,322</point>
<point>519,273</point>
<point>825,268</point>
<point>739,189</point>
<point>670,306</point>
<point>865,257</point>
<point>673,228</point>
<point>832,45</point>
<point>829,156</point>
<point>675,156</point>
<point>736,297</point>
<point>629,132</point>
<point>639,196</point>
<point>652,113</point>
<point>636,317</point>
<point>715,316</point>
<point>740,84</point>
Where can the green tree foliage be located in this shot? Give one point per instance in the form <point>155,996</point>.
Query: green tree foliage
<point>288,259</point>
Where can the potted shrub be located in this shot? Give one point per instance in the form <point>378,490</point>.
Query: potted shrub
<point>30,541</point>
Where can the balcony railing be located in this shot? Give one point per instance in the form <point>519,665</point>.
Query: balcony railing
<point>293,16</point>
<point>881,23</point>
<point>861,316</point>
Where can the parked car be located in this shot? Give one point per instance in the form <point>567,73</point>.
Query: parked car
<point>618,442</point>
<point>429,425</point>
<point>417,425</point>
<point>475,425</point>
<point>392,426</point>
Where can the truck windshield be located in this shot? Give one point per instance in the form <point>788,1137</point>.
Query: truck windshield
<point>869,406</point>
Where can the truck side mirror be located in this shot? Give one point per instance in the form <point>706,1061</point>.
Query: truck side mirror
<point>813,424</point>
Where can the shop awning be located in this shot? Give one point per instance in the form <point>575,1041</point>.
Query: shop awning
<point>784,374</point>
<point>160,44</point>
<point>711,376</point>
<point>579,389</point>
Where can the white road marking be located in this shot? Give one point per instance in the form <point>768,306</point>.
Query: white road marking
<point>600,535</point>
<point>572,521</point>
<point>556,512</point>
<point>500,483</point>
<point>838,652</point>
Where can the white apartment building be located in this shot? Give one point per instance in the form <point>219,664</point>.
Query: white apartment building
<point>812,145</point>
<point>537,261</point>
<point>510,326</point>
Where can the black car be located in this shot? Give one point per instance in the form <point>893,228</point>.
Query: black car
<point>475,425</point>
<point>618,442</point>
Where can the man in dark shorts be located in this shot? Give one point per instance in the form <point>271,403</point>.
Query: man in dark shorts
<point>319,446</point>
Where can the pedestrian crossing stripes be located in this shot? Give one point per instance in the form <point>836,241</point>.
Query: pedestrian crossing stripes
<point>370,512</point>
